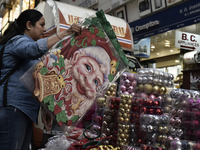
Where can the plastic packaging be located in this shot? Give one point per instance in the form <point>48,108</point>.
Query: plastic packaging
<point>64,79</point>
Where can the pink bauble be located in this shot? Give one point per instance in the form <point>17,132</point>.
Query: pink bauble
<point>160,98</point>
<point>134,83</point>
<point>130,89</point>
<point>133,94</point>
<point>127,82</point>
<point>131,76</point>
<point>143,95</point>
<point>126,92</point>
<point>152,96</point>
<point>122,88</point>
<point>124,76</point>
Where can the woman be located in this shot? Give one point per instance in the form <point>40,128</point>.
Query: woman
<point>24,43</point>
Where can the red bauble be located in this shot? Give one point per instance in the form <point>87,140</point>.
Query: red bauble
<point>149,102</point>
<point>151,111</point>
<point>156,103</point>
<point>159,111</point>
<point>117,101</point>
<point>113,101</point>
<point>112,107</point>
<point>144,110</point>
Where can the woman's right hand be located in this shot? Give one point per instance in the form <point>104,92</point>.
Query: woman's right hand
<point>74,28</point>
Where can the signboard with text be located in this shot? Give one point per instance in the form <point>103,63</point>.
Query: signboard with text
<point>187,41</point>
<point>83,3</point>
<point>184,14</point>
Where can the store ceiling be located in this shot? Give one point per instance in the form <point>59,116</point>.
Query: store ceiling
<point>159,41</point>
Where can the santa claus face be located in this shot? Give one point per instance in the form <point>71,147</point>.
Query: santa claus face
<point>87,72</point>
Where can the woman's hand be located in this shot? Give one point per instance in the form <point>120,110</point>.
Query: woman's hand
<point>47,117</point>
<point>74,28</point>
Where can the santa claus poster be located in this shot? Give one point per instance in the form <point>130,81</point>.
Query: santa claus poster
<point>69,78</point>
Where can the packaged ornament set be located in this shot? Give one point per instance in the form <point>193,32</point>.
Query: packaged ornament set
<point>145,119</point>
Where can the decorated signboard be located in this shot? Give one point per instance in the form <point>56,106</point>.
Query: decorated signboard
<point>69,77</point>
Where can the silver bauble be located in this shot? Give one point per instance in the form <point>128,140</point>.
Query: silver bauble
<point>151,72</point>
<point>144,80</point>
<point>171,77</point>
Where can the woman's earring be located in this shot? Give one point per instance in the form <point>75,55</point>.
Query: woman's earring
<point>29,28</point>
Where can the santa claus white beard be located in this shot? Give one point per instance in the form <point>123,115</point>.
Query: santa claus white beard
<point>80,78</point>
<point>84,105</point>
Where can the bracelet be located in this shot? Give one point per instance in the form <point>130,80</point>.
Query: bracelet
<point>59,36</point>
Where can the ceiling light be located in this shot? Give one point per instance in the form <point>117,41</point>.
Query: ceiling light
<point>152,46</point>
<point>171,50</point>
<point>167,43</point>
<point>151,49</point>
<point>158,53</point>
<point>177,61</point>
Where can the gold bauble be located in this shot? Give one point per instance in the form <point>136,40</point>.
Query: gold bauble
<point>141,87</point>
<point>126,97</point>
<point>122,136</point>
<point>162,90</point>
<point>129,102</point>
<point>126,131</point>
<point>120,114</point>
<point>123,101</point>
<point>127,136</point>
<point>127,126</point>
<point>148,88</point>
<point>123,126</point>
<point>120,126</point>
<point>156,89</point>
<point>113,93</point>
<point>121,105</point>
<point>121,110</point>
<point>108,93</point>
<point>122,96</point>
<point>114,85</point>
<point>128,115</point>
<point>121,119</point>
<point>126,120</point>
<point>130,97</point>
<point>128,110</point>
<point>120,130</point>
<point>125,115</point>
<point>126,106</point>
<point>160,129</point>
<point>111,89</point>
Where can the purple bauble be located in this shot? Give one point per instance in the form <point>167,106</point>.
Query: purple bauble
<point>126,93</point>
<point>122,82</point>
<point>134,83</point>
<point>197,104</point>
<point>160,98</point>
<point>124,76</point>
<point>197,134</point>
<point>131,76</point>
<point>197,114</point>
<point>152,96</point>
<point>143,95</point>
<point>133,94</point>
<point>191,103</point>
<point>127,82</point>
<point>123,88</point>
<point>130,89</point>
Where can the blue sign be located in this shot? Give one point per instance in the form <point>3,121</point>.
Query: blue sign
<point>181,15</point>
<point>142,48</point>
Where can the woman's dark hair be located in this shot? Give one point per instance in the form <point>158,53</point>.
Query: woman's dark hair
<point>19,25</point>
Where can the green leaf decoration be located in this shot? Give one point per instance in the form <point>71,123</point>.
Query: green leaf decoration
<point>93,42</point>
<point>72,42</point>
<point>75,118</point>
<point>48,99</point>
<point>55,64</point>
<point>51,107</point>
<point>44,70</point>
<point>63,116</point>
<point>60,103</point>
<point>61,62</point>
<point>101,34</point>
<point>91,29</point>
<point>117,65</point>
<point>62,71</point>
<point>60,44</point>
<point>58,119</point>
<point>110,77</point>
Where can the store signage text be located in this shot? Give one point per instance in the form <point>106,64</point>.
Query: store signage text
<point>119,31</point>
<point>147,25</point>
<point>187,40</point>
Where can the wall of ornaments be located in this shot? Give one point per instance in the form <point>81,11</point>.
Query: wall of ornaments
<point>149,113</point>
